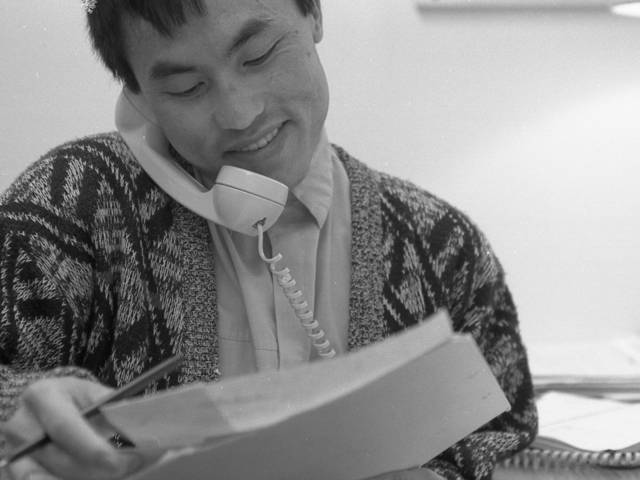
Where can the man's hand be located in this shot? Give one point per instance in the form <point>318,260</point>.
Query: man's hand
<point>414,474</point>
<point>79,449</point>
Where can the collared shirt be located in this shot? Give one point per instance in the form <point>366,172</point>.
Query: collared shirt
<point>257,328</point>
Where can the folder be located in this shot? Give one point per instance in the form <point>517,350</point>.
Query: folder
<point>388,406</point>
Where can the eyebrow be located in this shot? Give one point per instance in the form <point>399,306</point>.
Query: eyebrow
<point>251,28</point>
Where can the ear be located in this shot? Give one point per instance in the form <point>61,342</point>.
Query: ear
<point>316,17</point>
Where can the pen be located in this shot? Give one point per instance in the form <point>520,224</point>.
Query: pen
<point>136,386</point>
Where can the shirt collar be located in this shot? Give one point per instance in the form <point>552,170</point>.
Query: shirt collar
<point>315,190</point>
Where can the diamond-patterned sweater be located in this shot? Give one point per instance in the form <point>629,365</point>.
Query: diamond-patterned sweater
<point>103,275</point>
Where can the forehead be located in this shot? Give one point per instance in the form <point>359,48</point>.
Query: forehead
<point>222,18</point>
<point>213,32</point>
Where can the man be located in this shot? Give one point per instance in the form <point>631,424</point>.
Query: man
<point>103,275</point>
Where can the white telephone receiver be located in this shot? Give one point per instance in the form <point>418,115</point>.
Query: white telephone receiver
<point>239,199</point>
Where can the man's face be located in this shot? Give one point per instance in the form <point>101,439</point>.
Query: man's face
<point>240,86</point>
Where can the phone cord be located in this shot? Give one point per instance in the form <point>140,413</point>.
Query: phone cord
<point>296,299</point>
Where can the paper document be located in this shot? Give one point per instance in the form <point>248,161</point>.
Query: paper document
<point>609,368</point>
<point>573,421</point>
<point>388,406</point>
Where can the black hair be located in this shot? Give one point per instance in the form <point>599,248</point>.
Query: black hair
<point>104,23</point>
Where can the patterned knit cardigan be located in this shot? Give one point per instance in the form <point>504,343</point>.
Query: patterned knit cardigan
<point>103,275</point>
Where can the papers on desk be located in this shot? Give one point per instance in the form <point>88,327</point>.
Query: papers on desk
<point>582,418</point>
<point>390,406</point>
<point>575,422</point>
<point>609,368</point>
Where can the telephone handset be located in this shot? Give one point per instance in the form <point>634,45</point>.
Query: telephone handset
<point>240,200</point>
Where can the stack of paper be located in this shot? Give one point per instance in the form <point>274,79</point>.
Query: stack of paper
<point>390,406</point>
<point>609,368</point>
<point>574,422</point>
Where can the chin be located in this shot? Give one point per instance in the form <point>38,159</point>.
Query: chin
<point>289,172</point>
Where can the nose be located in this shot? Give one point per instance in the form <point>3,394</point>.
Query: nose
<point>236,106</point>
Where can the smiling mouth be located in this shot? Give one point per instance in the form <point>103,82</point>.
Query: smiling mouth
<point>263,142</point>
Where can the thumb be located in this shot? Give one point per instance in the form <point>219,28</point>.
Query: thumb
<point>26,469</point>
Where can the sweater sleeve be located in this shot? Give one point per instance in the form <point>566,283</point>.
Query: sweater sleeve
<point>480,304</point>
<point>45,290</point>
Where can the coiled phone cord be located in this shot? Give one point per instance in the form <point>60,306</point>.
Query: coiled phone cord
<point>296,298</point>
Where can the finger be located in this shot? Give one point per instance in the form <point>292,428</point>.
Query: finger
<point>60,463</point>
<point>64,466</point>
<point>28,469</point>
<point>24,427</point>
<point>57,408</point>
<point>102,426</point>
<point>21,428</point>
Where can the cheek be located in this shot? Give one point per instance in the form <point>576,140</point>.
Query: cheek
<point>186,134</point>
<point>317,90</point>
<point>300,77</point>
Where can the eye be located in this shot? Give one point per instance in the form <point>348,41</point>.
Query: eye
<point>189,91</point>
<point>262,58</point>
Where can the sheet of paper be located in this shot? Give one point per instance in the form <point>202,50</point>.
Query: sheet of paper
<point>251,402</point>
<point>400,421</point>
<point>389,406</point>
<point>589,423</point>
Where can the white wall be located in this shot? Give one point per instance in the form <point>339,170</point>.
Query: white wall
<point>527,122</point>
<point>52,89</point>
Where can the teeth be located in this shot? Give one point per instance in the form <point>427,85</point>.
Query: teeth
<point>263,142</point>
